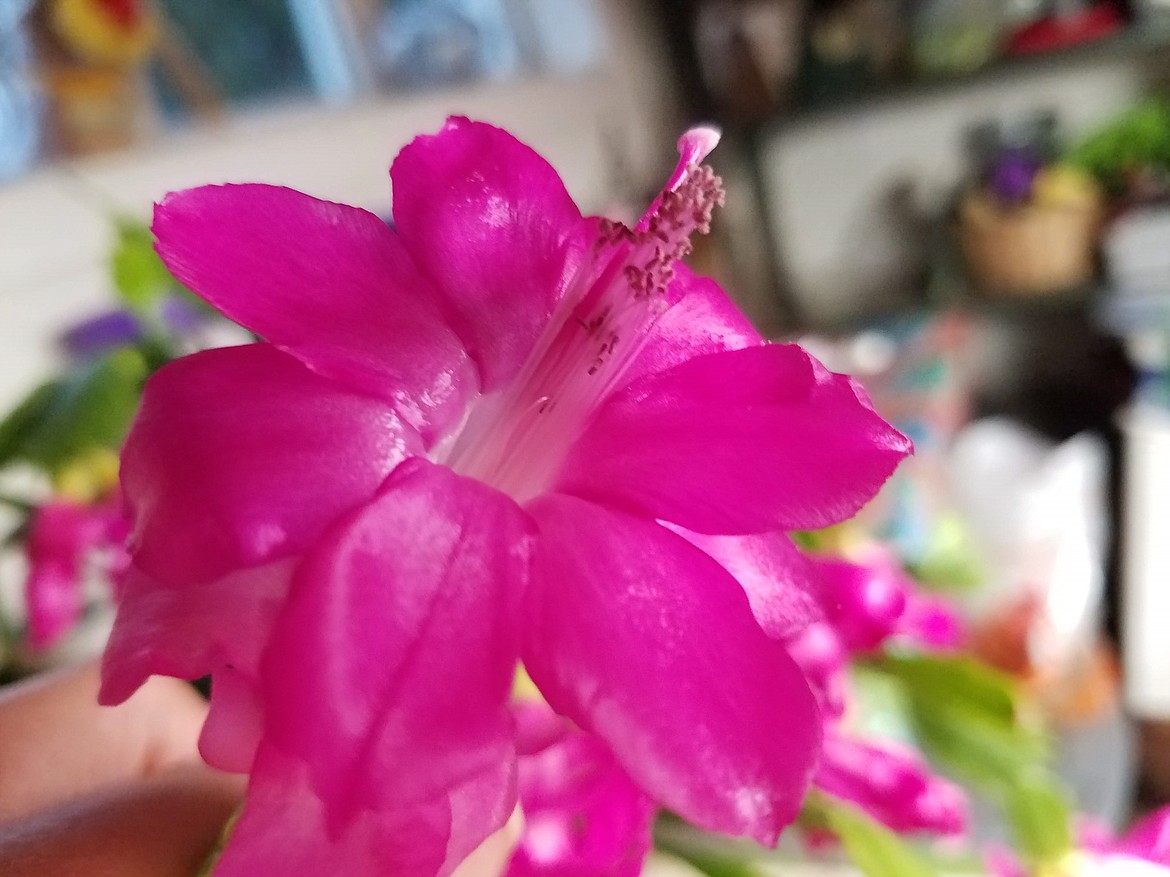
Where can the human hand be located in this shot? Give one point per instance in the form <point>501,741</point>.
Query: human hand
<point>95,791</point>
<point>92,791</point>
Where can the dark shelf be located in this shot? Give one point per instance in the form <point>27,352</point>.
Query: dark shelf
<point>1135,41</point>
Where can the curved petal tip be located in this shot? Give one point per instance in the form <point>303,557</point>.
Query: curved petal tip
<point>698,142</point>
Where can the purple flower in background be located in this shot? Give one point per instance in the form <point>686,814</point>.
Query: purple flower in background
<point>104,332</point>
<point>1013,174</point>
<point>179,316</point>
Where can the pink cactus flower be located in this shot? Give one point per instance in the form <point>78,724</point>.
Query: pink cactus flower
<point>1148,839</point>
<point>892,784</point>
<point>869,606</point>
<point>863,601</point>
<point>822,656</point>
<point>1143,851</point>
<point>583,815</point>
<point>454,451</point>
<point>63,536</point>
<point>870,602</point>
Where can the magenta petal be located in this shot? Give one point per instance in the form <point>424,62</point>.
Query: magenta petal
<point>700,319</point>
<point>60,535</point>
<point>234,726</point>
<point>284,828</point>
<point>745,441</point>
<point>893,786</point>
<point>187,632</point>
<point>781,583</point>
<point>388,673</point>
<point>54,603</point>
<point>583,816</point>
<point>644,640</point>
<point>489,220</point>
<point>820,655</point>
<point>242,455</point>
<point>538,727</point>
<point>329,283</point>
<point>219,628</point>
<point>864,602</point>
<point>1148,838</point>
<point>931,623</point>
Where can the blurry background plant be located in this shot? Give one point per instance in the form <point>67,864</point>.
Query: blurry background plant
<point>59,454</point>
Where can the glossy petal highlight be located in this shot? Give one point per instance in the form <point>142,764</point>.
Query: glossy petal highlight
<point>491,223</point>
<point>389,671</point>
<point>328,283</point>
<point>685,445</point>
<point>783,586</point>
<point>640,638</point>
<point>241,456</point>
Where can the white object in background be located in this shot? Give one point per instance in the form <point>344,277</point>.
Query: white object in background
<point>330,46</point>
<point>1145,594</point>
<point>1037,510</point>
<point>1137,252</point>
<point>568,34</point>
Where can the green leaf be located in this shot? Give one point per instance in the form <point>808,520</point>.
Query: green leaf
<point>1137,140</point>
<point>713,855</point>
<point>140,276</point>
<point>717,865</point>
<point>1039,814</point>
<point>91,408</point>
<point>969,718</point>
<point>951,561</point>
<point>873,848</point>
<point>24,419</point>
<point>950,679</point>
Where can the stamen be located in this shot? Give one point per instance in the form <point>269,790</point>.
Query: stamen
<point>596,331</point>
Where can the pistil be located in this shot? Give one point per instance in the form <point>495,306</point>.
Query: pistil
<point>516,441</point>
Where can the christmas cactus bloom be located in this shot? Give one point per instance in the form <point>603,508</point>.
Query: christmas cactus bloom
<point>1143,851</point>
<point>892,784</point>
<point>870,606</point>
<point>63,536</point>
<point>456,449</point>
<point>583,816</point>
<point>870,602</point>
<point>1147,839</point>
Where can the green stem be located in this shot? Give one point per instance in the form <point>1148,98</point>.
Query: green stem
<point>213,856</point>
<point>703,852</point>
<point>21,505</point>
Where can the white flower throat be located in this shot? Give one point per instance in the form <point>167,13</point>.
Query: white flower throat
<point>515,440</point>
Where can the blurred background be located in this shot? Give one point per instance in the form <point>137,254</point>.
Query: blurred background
<point>966,203</point>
